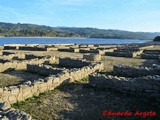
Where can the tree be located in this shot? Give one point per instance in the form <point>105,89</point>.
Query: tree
<point>157,38</point>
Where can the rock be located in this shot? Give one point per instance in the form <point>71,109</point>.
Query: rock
<point>4,118</point>
<point>4,106</point>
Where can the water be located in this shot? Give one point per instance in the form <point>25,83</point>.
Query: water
<point>10,40</point>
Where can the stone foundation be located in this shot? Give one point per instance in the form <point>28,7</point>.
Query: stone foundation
<point>44,69</point>
<point>73,63</point>
<point>128,54</point>
<point>29,48</point>
<point>92,57</point>
<point>148,85</point>
<point>150,56</point>
<point>22,65</point>
<point>12,94</point>
<point>129,71</point>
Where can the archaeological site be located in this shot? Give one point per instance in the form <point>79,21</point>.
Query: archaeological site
<point>78,81</point>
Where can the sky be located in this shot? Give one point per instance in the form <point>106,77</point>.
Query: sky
<point>131,15</point>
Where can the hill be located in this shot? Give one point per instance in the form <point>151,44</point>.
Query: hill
<point>32,30</point>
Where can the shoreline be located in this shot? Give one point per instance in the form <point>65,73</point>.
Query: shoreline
<point>77,38</point>
<point>45,37</point>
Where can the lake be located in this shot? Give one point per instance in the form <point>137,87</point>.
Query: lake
<point>10,40</point>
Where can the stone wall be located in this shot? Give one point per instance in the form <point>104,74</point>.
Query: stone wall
<point>29,48</point>
<point>19,56</point>
<point>31,56</point>
<point>28,89</point>
<point>73,63</point>
<point>150,56</point>
<point>121,54</point>
<point>152,52</point>
<point>21,65</point>
<point>11,47</point>
<point>92,57</point>
<point>3,60</point>
<point>149,85</point>
<point>44,69</point>
<point>7,53</point>
<point>129,71</point>
<point>8,113</point>
<point>125,51</point>
<point>52,49</point>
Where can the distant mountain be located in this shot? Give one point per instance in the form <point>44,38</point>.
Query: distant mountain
<point>32,30</point>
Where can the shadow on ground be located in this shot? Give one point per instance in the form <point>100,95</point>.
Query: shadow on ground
<point>91,102</point>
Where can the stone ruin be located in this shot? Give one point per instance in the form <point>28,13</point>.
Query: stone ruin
<point>127,79</point>
<point>146,85</point>
<point>139,71</point>
<point>92,57</point>
<point>55,77</point>
<point>67,70</point>
<point>150,54</point>
<point>82,48</point>
<point>136,80</point>
<point>125,51</point>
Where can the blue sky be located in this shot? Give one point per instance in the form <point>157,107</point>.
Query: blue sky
<point>132,15</point>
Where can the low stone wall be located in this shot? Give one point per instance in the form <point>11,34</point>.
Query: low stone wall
<point>73,63</point>
<point>129,71</point>
<point>52,49</point>
<point>149,85</point>
<point>7,53</point>
<point>29,48</point>
<point>134,49</point>
<point>11,47</point>
<point>21,65</point>
<point>152,52</point>
<point>28,89</point>
<point>44,69</point>
<point>31,56</point>
<point>8,113</point>
<point>19,56</point>
<point>150,56</point>
<point>4,60</point>
<point>76,50</point>
<point>125,51</point>
<point>92,57</point>
<point>65,49</point>
<point>84,50</point>
<point>120,54</point>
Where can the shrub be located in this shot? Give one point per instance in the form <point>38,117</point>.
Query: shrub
<point>157,38</point>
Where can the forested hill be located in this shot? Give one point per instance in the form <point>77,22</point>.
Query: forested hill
<point>32,30</point>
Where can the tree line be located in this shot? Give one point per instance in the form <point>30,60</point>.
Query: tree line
<point>32,30</point>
